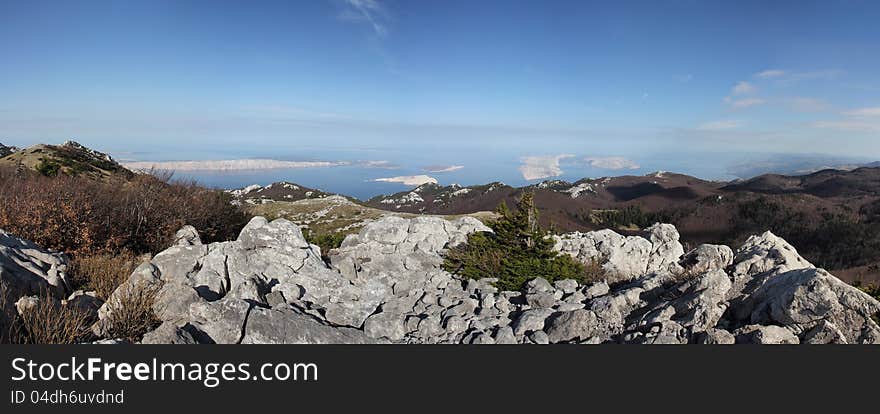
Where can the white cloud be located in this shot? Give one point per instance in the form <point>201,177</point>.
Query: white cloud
<point>720,125</point>
<point>770,73</point>
<point>744,103</point>
<point>743,88</point>
<point>848,126</point>
<point>542,166</point>
<point>863,120</point>
<point>828,74</point>
<point>228,165</point>
<point>412,180</point>
<point>869,112</point>
<point>612,163</point>
<point>370,11</point>
<point>442,168</point>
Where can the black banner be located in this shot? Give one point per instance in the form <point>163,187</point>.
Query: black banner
<point>414,378</point>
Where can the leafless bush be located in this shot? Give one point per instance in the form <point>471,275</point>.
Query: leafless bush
<point>81,215</point>
<point>130,312</point>
<point>594,272</point>
<point>50,322</point>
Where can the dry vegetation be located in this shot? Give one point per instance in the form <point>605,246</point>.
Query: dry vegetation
<point>130,312</point>
<point>48,322</point>
<point>78,215</point>
<point>102,272</point>
<point>103,225</point>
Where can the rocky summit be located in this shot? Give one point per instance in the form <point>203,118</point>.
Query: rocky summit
<point>385,284</point>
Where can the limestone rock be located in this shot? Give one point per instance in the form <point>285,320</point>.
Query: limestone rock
<point>284,326</point>
<point>28,269</point>
<point>760,334</point>
<point>802,299</point>
<point>666,250</point>
<point>707,257</point>
<point>622,257</point>
<point>187,236</point>
<point>576,325</point>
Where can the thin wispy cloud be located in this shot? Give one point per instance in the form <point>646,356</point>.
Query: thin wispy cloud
<point>848,126</point>
<point>770,74</point>
<point>785,77</point>
<point>744,103</point>
<point>720,125</point>
<point>542,166</point>
<point>371,12</point>
<point>858,120</point>
<point>870,112</point>
<point>612,163</point>
<point>743,88</point>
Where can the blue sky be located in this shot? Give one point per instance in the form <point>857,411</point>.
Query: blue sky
<point>609,85</point>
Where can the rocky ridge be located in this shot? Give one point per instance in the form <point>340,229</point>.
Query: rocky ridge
<point>280,191</point>
<point>385,284</point>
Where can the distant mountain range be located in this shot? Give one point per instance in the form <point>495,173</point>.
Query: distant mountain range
<point>832,215</point>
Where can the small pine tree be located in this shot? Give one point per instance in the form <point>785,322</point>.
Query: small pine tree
<point>517,251</point>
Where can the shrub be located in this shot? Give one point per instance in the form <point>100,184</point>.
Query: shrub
<point>102,273</point>
<point>326,241</point>
<point>80,215</point>
<point>50,322</point>
<point>48,168</point>
<point>130,313</point>
<point>518,251</point>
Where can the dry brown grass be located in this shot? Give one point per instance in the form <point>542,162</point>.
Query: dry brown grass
<point>49,322</point>
<point>131,313</point>
<point>79,215</point>
<point>594,272</point>
<point>102,272</point>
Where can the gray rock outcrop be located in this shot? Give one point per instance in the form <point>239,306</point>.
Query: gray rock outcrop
<point>386,284</point>
<point>625,257</point>
<point>27,269</point>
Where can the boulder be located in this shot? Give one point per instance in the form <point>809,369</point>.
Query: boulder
<point>714,337</point>
<point>760,334</point>
<point>578,325</point>
<point>169,333</point>
<point>666,250</point>
<point>285,326</point>
<point>804,299</point>
<point>622,257</point>
<point>28,269</point>
<point>766,254</point>
<point>707,257</point>
<point>187,236</point>
<point>625,257</point>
